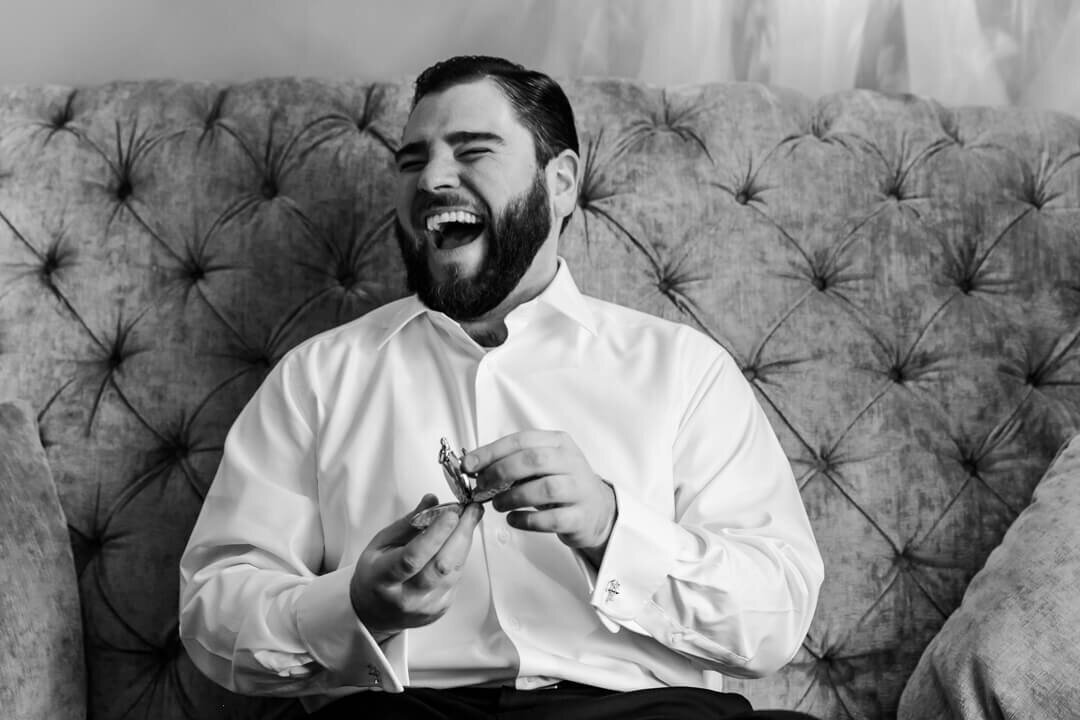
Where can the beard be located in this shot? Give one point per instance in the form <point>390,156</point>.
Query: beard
<point>514,237</point>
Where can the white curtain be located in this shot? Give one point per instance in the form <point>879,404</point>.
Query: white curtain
<point>1022,52</point>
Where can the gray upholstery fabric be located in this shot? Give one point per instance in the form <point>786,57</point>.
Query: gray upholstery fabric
<point>897,280</point>
<point>42,669</point>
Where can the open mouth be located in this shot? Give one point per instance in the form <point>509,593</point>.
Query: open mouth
<point>452,229</point>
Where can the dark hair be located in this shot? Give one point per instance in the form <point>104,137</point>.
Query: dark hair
<point>539,102</point>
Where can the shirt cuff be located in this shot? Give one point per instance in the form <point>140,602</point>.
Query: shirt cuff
<point>339,642</point>
<point>640,554</point>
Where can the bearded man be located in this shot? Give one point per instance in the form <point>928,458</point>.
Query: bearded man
<point>645,536</point>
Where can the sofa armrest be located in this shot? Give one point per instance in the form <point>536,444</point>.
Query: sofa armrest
<point>1012,648</point>
<point>42,666</point>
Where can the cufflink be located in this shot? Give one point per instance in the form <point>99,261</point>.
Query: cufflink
<point>612,590</point>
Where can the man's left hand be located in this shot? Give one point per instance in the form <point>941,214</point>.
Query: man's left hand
<point>550,474</point>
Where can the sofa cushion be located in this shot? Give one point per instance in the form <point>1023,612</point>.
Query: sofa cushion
<point>1010,649</point>
<point>42,667</point>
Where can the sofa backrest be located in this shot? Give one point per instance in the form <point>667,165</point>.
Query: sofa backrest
<point>898,280</point>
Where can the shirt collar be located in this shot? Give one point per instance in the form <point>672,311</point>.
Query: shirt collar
<point>561,294</point>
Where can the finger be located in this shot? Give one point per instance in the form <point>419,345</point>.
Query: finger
<point>529,462</point>
<point>445,567</point>
<point>404,562</point>
<point>562,520</point>
<point>478,459</point>
<point>401,530</point>
<point>549,490</point>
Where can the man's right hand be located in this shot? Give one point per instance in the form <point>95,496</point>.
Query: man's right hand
<point>406,577</point>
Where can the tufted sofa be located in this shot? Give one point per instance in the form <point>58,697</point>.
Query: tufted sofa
<point>899,281</point>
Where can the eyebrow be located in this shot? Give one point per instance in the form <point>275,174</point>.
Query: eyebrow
<point>460,137</point>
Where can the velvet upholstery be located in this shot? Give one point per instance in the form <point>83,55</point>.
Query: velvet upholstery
<point>42,671</point>
<point>897,279</point>
<point>1010,650</point>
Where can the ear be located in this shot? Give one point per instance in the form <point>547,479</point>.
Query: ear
<point>563,178</point>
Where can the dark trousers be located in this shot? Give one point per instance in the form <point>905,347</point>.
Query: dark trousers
<point>567,701</point>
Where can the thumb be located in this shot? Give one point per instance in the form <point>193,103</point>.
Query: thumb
<point>401,530</point>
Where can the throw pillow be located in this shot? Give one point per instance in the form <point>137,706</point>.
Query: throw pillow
<point>42,668</point>
<point>1012,648</point>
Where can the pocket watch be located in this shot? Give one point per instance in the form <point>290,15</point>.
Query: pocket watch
<point>462,484</point>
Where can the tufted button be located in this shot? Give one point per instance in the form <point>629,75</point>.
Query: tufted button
<point>213,117</point>
<point>1034,190</point>
<point>896,374</point>
<point>346,277</point>
<point>123,189</point>
<point>60,120</point>
<point>269,188</point>
<point>839,671</point>
<point>63,116</point>
<point>177,447</point>
<point>823,461</point>
<point>55,258</point>
<point>260,359</point>
<point>117,355</point>
<point>970,464</point>
<point>120,347</point>
<point>949,126</point>
<point>672,281</point>
<point>172,648</point>
<point>195,265</point>
<point>49,265</point>
<point>820,125</point>
<point>193,272</point>
<point>85,547</point>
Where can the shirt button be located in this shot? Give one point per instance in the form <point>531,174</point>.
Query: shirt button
<point>503,536</point>
<point>676,638</point>
<point>515,623</point>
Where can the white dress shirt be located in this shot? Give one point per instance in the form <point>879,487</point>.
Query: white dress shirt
<point>711,566</point>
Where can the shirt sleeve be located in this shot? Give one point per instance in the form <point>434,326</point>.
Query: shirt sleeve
<point>732,580</point>
<point>257,613</point>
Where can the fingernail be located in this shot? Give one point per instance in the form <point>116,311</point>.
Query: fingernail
<point>469,463</point>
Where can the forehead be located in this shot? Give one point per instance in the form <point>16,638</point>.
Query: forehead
<point>477,106</point>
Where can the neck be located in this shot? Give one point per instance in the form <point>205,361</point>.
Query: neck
<point>489,330</point>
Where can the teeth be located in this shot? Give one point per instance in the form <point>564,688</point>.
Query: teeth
<point>435,222</point>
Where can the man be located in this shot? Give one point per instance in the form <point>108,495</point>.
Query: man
<point>647,535</point>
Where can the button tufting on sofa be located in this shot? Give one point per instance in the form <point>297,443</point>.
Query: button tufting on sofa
<point>233,222</point>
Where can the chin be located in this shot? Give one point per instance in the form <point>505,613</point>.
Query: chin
<point>461,263</point>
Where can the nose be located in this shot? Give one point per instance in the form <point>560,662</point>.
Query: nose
<point>440,173</point>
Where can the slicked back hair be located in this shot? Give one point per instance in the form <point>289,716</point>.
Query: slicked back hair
<point>538,101</point>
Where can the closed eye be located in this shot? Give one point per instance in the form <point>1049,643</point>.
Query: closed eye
<point>409,165</point>
<point>475,152</point>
